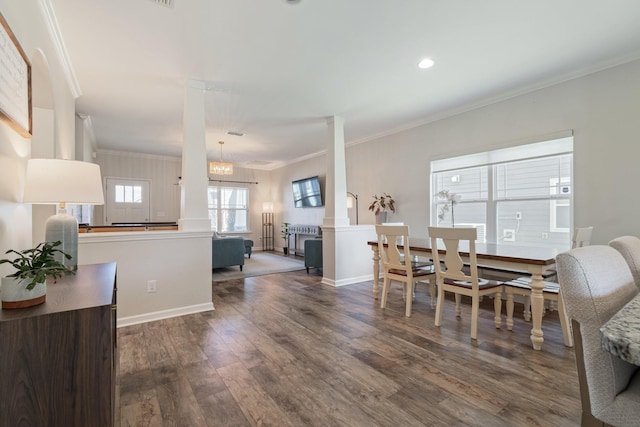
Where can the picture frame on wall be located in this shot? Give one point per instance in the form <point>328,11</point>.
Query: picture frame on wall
<point>15,83</point>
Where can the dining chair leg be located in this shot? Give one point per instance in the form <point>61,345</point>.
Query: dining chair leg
<point>497,308</point>
<point>526,314</point>
<point>439,306</point>
<point>567,332</point>
<point>458,309</point>
<point>385,290</point>
<point>475,309</point>
<point>509,293</point>
<point>432,291</point>
<point>409,302</point>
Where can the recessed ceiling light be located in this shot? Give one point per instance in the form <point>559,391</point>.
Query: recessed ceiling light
<point>426,63</point>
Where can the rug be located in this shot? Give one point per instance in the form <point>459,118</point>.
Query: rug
<point>259,264</point>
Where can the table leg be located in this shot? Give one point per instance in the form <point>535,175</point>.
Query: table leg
<point>376,271</point>
<point>537,306</point>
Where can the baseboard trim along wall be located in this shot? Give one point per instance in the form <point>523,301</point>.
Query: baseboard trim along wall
<point>164,314</point>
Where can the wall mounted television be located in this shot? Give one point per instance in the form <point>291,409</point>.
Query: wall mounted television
<point>307,193</point>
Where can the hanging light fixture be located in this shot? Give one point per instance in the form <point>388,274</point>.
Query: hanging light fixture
<point>221,167</point>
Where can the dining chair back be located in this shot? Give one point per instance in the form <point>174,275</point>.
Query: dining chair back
<point>452,276</point>
<point>581,237</point>
<point>551,292</point>
<point>629,247</point>
<point>395,255</point>
<point>596,283</point>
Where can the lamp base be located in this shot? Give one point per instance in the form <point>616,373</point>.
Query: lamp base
<point>64,228</point>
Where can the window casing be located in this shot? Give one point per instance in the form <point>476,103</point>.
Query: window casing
<point>228,209</point>
<point>521,197</point>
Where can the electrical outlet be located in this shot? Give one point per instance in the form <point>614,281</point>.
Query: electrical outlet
<point>518,215</point>
<point>151,286</point>
<point>509,235</point>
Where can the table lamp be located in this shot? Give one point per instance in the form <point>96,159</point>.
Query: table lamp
<point>58,182</point>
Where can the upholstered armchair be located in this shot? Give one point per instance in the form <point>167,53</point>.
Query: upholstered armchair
<point>596,283</point>
<point>312,253</point>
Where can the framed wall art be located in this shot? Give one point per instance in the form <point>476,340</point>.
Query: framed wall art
<point>15,83</point>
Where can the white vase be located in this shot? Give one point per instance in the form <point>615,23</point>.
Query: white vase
<point>381,217</point>
<point>14,293</point>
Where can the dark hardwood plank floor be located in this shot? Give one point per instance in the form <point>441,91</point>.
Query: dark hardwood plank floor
<point>285,350</point>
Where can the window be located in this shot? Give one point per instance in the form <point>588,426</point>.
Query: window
<point>228,209</point>
<point>128,194</point>
<point>518,195</point>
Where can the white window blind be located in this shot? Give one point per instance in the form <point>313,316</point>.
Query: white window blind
<point>517,195</point>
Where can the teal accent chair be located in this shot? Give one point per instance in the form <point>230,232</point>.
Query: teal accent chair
<point>227,252</point>
<point>312,253</point>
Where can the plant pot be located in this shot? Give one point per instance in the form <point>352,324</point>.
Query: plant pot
<point>381,217</point>
<point>14,293</point>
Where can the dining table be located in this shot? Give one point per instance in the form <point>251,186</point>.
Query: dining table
<point>620,335</point>
<point>534,260</point>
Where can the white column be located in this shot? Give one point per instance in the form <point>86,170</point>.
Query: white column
<point>335,209</point>
<point>345,253</point>
<point>194,215</point>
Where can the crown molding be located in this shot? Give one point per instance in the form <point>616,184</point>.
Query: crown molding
<point>56,37</point>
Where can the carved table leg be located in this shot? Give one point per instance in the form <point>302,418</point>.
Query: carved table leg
<point>537,305</point>
<point>376,271</point>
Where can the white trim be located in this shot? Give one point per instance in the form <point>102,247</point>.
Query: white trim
<point>61,50</point>
<point>348,281</point>
<point>138,155</point>
<point>128,236</point>
<point>164,314</point>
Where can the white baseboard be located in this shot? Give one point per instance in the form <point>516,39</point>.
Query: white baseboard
<point>348,281</point>
<point>164,314</point>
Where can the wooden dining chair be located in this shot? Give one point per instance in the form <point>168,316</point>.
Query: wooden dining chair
<point>393,244</point>
<point>450,275</point>
<point>551,292</point>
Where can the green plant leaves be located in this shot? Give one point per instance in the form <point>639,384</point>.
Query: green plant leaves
<point>37,263</point>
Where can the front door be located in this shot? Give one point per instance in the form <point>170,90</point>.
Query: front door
<point>127,200</point>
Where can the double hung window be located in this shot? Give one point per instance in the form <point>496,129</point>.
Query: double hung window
<point>228,209</point>
<point>519,195</point>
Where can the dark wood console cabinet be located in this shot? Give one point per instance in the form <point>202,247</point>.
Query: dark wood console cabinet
<point>57,359</point>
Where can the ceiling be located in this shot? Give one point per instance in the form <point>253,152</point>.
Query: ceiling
<point>277,69</point>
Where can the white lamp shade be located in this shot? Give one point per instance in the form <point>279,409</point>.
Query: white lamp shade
<point>349,202</point>
<point>267,207</point>
<point>53,181</point>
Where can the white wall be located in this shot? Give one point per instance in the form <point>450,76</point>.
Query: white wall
<point>179,262</point>
<point>602,110</point>
<point>283,196</point>
<point>162,171</point>
<point>26,21</point>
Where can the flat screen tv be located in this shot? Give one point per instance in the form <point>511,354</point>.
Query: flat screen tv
<point>306,193</point>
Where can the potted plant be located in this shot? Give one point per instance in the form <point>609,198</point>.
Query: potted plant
<point>381,205</point>
<point>449,198</point>
<point>27,285</point>
<point>285,235</point>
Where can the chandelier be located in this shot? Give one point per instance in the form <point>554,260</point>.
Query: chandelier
<point>221,167</point>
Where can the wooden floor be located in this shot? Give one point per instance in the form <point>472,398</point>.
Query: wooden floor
<point>285,350</point>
